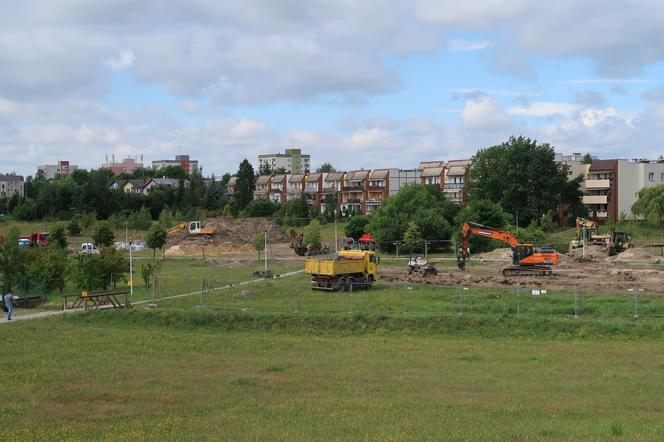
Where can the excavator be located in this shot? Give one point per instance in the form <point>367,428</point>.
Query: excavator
<point>527,259</point>
<point>192,228</point>
<point>614,242</point>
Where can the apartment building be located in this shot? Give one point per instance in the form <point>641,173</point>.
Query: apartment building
<point>230,188</point>
<point>11,185</point>
<point>62,168</point>
<point>183,161</point>
<point>291,161</point>
<point>432,173</point>
<point>127,165</point>
<point>295,186</point>
<point>610,187</point>
<point>262,187</point>
<point>313,188</point>
<point>354,191</point>
<point>454,181</point>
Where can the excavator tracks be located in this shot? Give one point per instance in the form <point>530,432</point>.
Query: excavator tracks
<point>527,271</point>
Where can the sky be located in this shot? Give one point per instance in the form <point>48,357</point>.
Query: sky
<point>357,84</point>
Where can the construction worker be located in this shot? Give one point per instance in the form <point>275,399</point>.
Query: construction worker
<point>10,300</point>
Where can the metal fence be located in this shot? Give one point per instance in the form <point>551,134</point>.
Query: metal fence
<point>284,296</point>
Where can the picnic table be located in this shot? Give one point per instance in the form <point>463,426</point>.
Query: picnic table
<point>94,300</point>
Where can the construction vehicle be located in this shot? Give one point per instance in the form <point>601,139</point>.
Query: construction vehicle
<point>348,270</point>
<point>301,248</point>
<point>526,258</point>
<point>421,266</point>
<point>192,228</point>
<point>39,239</point>
<point>366,242</point>
<point>24,242</point>
<point>87,248</point>
<point>613,242</point>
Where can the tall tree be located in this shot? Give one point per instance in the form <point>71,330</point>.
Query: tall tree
<point>521,175</point>
<point>326,168</point>
<point>245,184</point>
<point>650,205</point>
<point>587,159</point>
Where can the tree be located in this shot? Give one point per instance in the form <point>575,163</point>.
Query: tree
<point>141,220</point>
<point>59,237</point>
<point>156,239</point>
<point>12,262</point>
<point>245,184</point>
<point>326,168</point>
<point>414,202</point>
<point>520,175</point>
<point>650,205</point>
<point>92,272</point>
<point>412,238</point>
<point>294,212</point>
<point>356,226</point>
<point>587,159</point>
<point>259,243</point>
<point>227,212</point>
<point>312,234</point>
<point>330,204</point>
<point>103,235</point>
<point>260,207</point>
<point>48,266</point>
<point>74,227</point>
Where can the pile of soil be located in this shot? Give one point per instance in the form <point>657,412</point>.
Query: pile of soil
<point>636,255</point>
<point>593,253</point>
<point>233,236</point>
<point>504,254</point>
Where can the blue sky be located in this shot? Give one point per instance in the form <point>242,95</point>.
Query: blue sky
<point>376,84</point>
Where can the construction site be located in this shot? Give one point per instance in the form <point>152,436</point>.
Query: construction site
<point>592,268</point>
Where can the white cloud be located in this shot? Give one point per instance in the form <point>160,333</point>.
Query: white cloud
<point>544,109</point>
<point>124,60</point>
<point>606,81</point>
<point>484,114</point>
<point>469,45</point>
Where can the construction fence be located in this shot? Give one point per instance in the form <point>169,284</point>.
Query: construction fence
<point>284,296</point>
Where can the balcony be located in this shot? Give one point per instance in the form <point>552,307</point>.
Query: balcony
<point>353,201</point>
<point>594,199</point>
<point>374,202</point>
<point>452,186</point>
<point>597,184</point>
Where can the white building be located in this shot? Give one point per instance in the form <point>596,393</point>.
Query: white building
<point>63,168</point>
<point>292,161</point>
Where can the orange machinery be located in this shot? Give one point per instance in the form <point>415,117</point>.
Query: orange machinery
<point>526,258</point>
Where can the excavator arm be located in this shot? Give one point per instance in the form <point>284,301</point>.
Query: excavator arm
<point>470,228</point>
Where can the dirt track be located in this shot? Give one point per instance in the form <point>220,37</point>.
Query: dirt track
<point>603,276</point>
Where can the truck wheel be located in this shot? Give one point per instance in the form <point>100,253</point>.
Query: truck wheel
<point>342,285</point>
<point>349,284</point>
<point>410,270</point>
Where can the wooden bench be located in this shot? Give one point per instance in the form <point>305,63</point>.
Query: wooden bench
<point>93,300</point>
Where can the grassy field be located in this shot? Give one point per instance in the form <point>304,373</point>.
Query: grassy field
<point>131,381</point>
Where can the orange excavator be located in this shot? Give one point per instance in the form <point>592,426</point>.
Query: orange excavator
<point>527,259</point>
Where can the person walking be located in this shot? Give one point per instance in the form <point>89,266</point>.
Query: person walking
<point>10,299</point>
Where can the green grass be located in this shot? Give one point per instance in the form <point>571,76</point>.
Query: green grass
<point>92,377</point>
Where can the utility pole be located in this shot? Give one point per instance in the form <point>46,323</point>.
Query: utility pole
<point>265,252</point>
<point>336,240</point>
<point>131,272</point>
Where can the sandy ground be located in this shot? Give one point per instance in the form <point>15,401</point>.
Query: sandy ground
<point>605,275</point>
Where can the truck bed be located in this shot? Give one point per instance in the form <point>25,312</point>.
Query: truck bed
<point>330,267</point>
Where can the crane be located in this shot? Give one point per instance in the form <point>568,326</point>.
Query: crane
<point>527,259</point>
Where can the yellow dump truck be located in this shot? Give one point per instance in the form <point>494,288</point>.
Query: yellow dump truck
<point>356,268</point>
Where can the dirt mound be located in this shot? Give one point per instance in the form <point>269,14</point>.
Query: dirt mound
<point>636,255</point>
<point>592,253</point>
<point>232,234</point>
<point>504,254</point>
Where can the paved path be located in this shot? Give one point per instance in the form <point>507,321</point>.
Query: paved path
<point>48,313</point>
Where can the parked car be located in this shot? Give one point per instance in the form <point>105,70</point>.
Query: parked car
<point>89,248</point>
<point>24,243</point>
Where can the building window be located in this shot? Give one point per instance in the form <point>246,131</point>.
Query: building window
<point>651,176</point>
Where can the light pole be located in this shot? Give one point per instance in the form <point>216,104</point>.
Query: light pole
<point>131,271</point>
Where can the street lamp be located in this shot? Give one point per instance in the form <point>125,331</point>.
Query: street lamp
<point>131,270</point>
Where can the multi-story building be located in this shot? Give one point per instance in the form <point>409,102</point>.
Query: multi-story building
<point>11,185</point>
<point>278,188</point>
<point>295,186</point>
<point>62,168</point>
<point>432,173</point>
<point>455,179</point>
<point>230,189</point>
<point>313,188</point>
<point>292,161</point>
<point>354,191</point>
<point>127,165</point>
<point>610,187</point>
<point>184,161</point>
<point>262,187</point>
